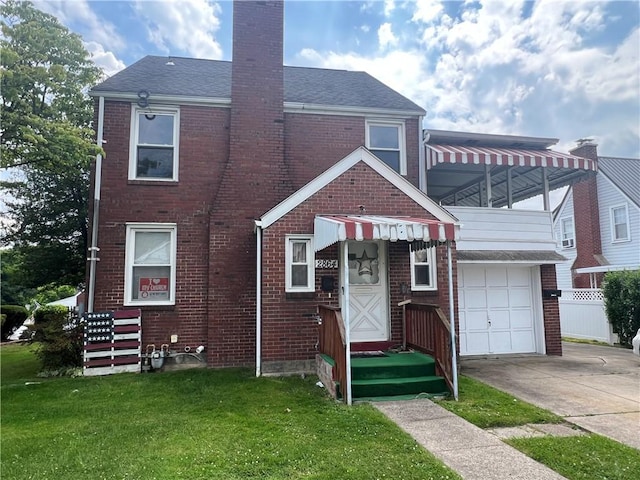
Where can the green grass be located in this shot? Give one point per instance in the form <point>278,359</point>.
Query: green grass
<point>588,457</point>
<point>584,340</point>
<point>17,362</point>
<point>195,424</point>
<point>487,407</point>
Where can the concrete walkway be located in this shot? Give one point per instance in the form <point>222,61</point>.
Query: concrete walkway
<point>465,448</point>
<point>593,386</point>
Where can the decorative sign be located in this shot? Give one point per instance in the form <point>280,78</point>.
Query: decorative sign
<point>156,288</point>
<point>326,263</point>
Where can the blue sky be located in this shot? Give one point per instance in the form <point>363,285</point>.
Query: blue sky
<point>565,70</point>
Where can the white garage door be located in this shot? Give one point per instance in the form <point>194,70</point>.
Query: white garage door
<point>496,310</point>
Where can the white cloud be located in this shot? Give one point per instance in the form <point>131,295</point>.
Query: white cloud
<point>105,60</point>
<point>187,26</point>
<point>389,7</point>
<point>386,38</point>
<point>426,11</point>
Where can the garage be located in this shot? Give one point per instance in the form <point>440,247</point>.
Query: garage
<point>497,311</point>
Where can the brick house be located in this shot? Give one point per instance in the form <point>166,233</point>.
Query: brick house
<point>236,197</point>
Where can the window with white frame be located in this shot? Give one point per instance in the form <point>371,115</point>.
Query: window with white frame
<point>300,271</point>
<point>386,140</point>
<point>568,233</point>
<point>423,269</point>
<point>150,277</point>
<point>154,144</point>
<point>619,223</point>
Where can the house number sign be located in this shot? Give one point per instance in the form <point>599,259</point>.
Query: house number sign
<point>326,263</point>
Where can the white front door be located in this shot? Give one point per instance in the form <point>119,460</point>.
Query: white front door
<point>496,309</point>
<point>368,295</point>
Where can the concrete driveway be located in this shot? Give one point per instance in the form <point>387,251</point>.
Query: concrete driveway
<point>593,386</point>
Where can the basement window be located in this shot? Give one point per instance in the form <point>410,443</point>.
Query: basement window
<point>300,271</point>
<point>150,277</point>
<point>154,144</point>
<point>423,270</point>
<point>386,140</point>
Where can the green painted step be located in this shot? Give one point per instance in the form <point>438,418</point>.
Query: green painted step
<point>398,386</point>
<point>392,365</point>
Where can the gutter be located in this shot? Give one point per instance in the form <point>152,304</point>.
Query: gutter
<point>93,249</point>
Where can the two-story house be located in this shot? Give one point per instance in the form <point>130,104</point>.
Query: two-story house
<point>597,224</point>
<point>236,197</point>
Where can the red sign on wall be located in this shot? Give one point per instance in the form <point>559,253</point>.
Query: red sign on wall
<point>156,288</point>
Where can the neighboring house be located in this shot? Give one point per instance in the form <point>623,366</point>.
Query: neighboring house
<point>597,224</point>
<point>235,197</point>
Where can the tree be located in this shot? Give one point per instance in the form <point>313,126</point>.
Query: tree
<point>621,292</point>
<point>47,143</point>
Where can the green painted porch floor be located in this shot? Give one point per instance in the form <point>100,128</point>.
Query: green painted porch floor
<point>394,374</point>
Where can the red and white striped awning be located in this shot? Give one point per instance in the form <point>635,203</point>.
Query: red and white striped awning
<point>437,153</point>
<point>329,229</point>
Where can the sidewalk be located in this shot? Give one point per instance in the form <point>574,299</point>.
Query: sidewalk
<point>465,448</point>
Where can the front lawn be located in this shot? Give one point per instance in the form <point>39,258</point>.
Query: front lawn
<point>195,424</point>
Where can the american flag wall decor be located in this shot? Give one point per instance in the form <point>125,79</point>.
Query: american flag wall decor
<point>112,342</point>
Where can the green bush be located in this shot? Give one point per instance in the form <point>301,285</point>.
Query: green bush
<point>622,303</point>
<point>12,317</point>
<point>58,333</point>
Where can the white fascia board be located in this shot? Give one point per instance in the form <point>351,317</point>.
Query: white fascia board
<point>312,108</point>
<point>168,99</point>
<point>487,137</point>
<point>361,154</point>
<point>520,263</point>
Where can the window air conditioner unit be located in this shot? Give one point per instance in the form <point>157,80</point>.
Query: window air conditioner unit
<point>567,243</point>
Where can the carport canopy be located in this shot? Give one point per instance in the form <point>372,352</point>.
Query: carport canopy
<point>330,229</point>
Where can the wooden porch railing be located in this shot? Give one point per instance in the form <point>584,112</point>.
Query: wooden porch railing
<point>332,342</point>
<point>427,330</point>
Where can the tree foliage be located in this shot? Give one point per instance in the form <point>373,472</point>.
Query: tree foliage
<point>47,143</point>
<point>622,303</point>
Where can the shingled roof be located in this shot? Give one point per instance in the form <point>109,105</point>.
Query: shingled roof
<point>190,77</point>
<point>624,173</point>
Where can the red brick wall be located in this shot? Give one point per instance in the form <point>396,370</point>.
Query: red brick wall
<point>203,150</point>
<point>282,313</point>
<point>586,220</point>
<point>551,312</point>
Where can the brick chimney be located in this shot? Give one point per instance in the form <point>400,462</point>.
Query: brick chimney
<point>586,218</point>
<point>255,178</point>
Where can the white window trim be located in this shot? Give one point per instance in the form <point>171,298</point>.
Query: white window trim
<point>400,125</point>
<point>133,141</point>
<point>613,227</point>
<point>433,270</point>
<point>570,242</point>
<point>311,272</point>
<point>132,228</point>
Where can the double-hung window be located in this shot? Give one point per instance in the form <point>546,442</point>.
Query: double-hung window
<point>154,144</point>
<point>423,269</point>
<point>568,233</point>
<point>150,277</point>
<point>386,140</point>
<point>619,224</point>
<point>300,271</point>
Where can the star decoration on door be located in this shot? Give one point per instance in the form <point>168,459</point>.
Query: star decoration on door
<point>364,264</point>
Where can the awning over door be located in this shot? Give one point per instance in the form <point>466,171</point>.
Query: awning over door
<point>504,156</point>
<point>329,229</point>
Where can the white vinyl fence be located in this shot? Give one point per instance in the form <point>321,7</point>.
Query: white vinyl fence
<point>582,315</point>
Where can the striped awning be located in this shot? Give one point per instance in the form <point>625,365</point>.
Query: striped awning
<point>437,154</point>
<point>329,229</point>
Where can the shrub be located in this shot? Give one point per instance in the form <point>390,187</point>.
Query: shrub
<point>59,335</point>
<point>13,316</point>
<point>622,303</point>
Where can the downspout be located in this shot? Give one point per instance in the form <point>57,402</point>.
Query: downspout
<point>93,249</point>
<point>422,168</point>
<point>452,323</point>
<point>347,320</point>
<point>258,298</point>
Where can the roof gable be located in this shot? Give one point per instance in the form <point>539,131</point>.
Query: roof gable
<point>192,78</point>
<point>361,154</point>
<point>624,173</point>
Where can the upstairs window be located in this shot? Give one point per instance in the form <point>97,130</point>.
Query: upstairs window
<point>568,233</point>
<point>154,144</point>
<point>423,269</point>
<point>386,141</point>
<point>619,224</point>
<point>150,277</point>
<point>300,272</point>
